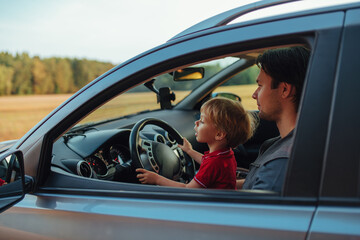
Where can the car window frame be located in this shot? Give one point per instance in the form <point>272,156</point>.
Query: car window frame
<point>341,173</point>
<point>339,197</point>
<point>314,115</point>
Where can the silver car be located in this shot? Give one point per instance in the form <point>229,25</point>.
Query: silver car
<point>72,175</point>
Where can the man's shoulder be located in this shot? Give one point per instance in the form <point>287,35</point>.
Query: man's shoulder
<point>276,148</point>
<point>268,143</point>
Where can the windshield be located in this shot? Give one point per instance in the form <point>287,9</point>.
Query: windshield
<point>141,98</point>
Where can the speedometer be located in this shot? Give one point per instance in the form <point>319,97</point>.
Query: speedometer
<point>97,165</point>
<point>119,154</point>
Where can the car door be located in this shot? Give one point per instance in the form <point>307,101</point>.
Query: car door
<point>62,206</point>
<point>338,213</point>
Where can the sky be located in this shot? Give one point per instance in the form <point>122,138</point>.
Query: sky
<point>104,30</point>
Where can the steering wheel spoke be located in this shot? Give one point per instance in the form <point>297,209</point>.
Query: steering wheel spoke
<point>146,146</point>
<point>168,161</point>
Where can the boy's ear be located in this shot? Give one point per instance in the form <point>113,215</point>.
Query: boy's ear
<point>220,135</point>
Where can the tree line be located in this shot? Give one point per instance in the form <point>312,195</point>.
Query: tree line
<point>22,74</point>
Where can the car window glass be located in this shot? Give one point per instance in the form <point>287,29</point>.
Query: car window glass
<point>104,149</point>
<point>140,98</point>
<point>243,85</point>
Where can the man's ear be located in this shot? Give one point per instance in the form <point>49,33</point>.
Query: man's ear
<point>220,135</point>
<point>287,90</point>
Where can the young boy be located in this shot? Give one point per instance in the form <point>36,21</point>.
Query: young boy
<point>223,125</point>
<point>2,182</point>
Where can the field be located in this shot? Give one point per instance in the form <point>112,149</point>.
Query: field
<point>18,114</point>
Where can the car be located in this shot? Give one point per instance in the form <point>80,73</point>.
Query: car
<point>72,175</point>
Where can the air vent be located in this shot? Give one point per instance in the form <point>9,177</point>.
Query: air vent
<point>84,169</point>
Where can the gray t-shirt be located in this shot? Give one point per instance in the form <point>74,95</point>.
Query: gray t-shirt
<point>267,172</point>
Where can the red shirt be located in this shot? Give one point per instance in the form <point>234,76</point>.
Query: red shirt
<point>1,182</point>
<point>217,170</point>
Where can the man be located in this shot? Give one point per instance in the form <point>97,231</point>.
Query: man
<point>280,83</point>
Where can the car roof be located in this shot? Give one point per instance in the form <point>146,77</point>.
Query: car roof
<point>268,10</point>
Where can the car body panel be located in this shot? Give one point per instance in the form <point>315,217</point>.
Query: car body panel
<point>226,17</point>
<point>296,8</point>
<point>342,157</point>
<point>61,216</point>
<point>338,213</point>
<point>344,222</point>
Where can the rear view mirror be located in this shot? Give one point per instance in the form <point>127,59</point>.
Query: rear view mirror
<point>11,179</point>
<point>188,74</point>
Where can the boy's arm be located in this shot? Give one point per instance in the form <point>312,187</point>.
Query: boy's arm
<point>147,177</point>
<point>195,155</point>
<point>186,147</point>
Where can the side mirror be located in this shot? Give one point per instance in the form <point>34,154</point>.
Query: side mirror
<point>12,179</point>
<point>188,74</point>
<point>226,95</point>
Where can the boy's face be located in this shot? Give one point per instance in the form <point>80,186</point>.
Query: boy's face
<point>205,130</point>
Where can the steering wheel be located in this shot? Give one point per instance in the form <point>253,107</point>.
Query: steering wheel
<point>10,168</point>
<point>166,160</point>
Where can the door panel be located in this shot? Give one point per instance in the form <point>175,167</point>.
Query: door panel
<point>82,217</point>
<point>336,223</point>
<point>338,214</point>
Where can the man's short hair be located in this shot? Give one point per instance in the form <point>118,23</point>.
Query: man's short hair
<point>286,65</point>
<point>230,117</point>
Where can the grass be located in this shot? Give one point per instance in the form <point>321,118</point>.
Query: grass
<point>18,114</point>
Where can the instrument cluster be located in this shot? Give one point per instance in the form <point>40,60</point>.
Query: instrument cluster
<point>107,158</point>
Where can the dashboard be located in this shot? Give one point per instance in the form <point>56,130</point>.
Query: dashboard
<point>102,154</point>
<point>93,153</point>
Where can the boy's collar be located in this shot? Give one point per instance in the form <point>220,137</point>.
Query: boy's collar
<point>218,152</point>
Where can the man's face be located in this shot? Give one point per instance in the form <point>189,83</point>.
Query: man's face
<point>268,99</point>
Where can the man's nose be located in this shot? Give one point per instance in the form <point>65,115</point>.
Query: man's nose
<point>254,95</point>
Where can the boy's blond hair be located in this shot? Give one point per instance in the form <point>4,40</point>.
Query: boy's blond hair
<point>230,117</point>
